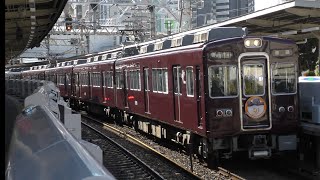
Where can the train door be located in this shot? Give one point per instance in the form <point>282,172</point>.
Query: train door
<point>177,82</point>
<point>74,82</point>
<point>124,87</point>
<point>146,89</point>
<point>104,84</point>
<point>65,83</point>
<point>68,82</point>
<point>198,96</point>
<point>80,84</point>
<point>254,91</point>
<point>90,85</point>
<point>77,85</point>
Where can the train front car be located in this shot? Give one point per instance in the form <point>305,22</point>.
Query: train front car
<point>251,96</point>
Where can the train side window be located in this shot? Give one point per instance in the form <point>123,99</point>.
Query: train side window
<point>283,78</point>
<point>154,80</point>
<point>165,80</point>
<point>190,79</point>
<point>96,79</point>
<point>222,81</point>
<point>85,79</point>
<point>160,80</point>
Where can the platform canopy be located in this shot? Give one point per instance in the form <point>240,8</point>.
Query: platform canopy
<point>297,20</point>
<point>27,22</point>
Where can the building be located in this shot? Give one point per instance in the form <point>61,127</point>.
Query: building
<point>214,11</point>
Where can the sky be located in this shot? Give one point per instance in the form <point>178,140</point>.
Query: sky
<point>262,4</point>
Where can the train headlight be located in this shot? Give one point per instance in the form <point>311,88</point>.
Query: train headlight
<point>282,109</point>
<point>219,113</point>
<point>247,43</point>
<point>290,108</point>
<point>253,43</point>
<point>256,42</point>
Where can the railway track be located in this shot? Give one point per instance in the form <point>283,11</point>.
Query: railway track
<point>156,166</point>
<point>121,162</point>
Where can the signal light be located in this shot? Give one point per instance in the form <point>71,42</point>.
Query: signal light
<point>68,23</point>
<point>68,28</point>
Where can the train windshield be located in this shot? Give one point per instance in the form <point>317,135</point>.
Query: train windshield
<point>283,78</point>
<point>222,81</point>
<point>253,77</point>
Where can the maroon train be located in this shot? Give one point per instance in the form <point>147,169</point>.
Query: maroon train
<point>221,96</point>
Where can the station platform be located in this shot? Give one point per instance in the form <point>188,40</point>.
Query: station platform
<point>12,109</point>
<point>38,145</point>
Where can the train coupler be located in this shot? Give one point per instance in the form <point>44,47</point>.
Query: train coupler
<point>259,148</point>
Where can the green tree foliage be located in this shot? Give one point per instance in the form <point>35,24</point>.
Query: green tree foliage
<point>317,68</point>
<point>308,55</point>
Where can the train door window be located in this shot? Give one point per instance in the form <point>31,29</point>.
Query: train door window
<point>189,83</point>
<point>109,79</point>
<point>104,80</point>
<point>253,77</point>
<point>283,78</point>
<point>126,78</point>
<point>177,82</point>
<point>68,80</point>
<point>222,81</point>
<point>131,80</point>
<point>76,79</point>
<point>61,79</point>
<point>83,79</point>
<point>119,80</point>
<point>146,79</point>
<point>93,79</point>
<point>80,79</point>
<point>134,80</point>
<point>86,79</point>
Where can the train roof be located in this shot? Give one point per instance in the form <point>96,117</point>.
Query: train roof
<point>173,41</point>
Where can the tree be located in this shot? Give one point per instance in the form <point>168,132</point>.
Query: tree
<point>317,68</point>
<point>308,54</point>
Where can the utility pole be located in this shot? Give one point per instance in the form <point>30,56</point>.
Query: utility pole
<point>180,7</point>
<point>48,45</point>
<point>94,7</point>
<point>152,21</point>
<point>88,42</point>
